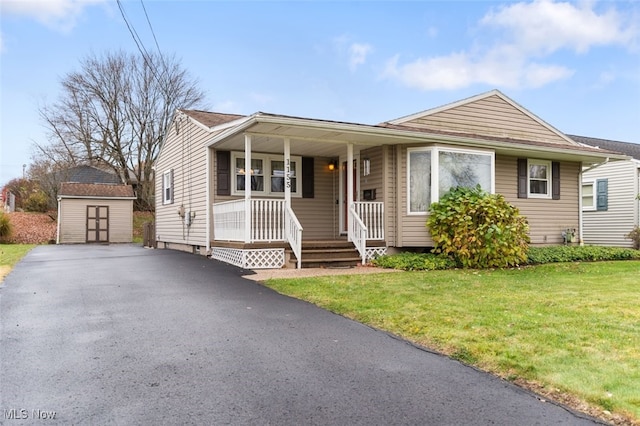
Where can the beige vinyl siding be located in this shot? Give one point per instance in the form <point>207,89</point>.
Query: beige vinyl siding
<point>412,231</point>
<point>609,227</point>
<point>73,219</point>
<point>547,218</point>
<point>185,153</point>
<point>491,116</point>
<point>383,179</point>
<point>390,183</point>
<point>319,215</point>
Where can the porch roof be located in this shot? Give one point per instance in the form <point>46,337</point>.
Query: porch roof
<point>326,138</point>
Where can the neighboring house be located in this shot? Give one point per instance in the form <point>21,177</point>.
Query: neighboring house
<point>610,204</point>
<point>246,188</point>
<point>95,213</point>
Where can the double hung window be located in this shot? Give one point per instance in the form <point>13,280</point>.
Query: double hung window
<point>268,174</point>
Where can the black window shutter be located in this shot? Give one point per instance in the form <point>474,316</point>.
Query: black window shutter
<point>555,180</point>
<point>223,170</point>
<point>602,194</point>
<point>307,177</point>
<point>523,178</point>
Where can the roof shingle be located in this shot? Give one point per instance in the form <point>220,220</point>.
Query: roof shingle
<point>70,189</point>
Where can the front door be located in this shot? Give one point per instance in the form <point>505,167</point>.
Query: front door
<point>345,204</point>
<point>97,224</point>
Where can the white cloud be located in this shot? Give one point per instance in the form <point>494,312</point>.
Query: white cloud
<point>459,70</point>
<point>545,26</point>
<point>57,14</point>
<point>358,54</point>
<point>529,32</point>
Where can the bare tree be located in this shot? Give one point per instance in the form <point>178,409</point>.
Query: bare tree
<point>114,113</point>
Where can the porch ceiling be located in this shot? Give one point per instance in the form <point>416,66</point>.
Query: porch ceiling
<point>309,141</point>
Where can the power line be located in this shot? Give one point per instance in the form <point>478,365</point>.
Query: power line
<point>140,45</point>
<point>150,27</point>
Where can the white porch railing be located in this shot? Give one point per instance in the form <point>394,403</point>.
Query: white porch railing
<point>267,220</point>
<point>372,215</point>
<point>366,223</point>
<point>293,232</point>
<point>358,232</point>
<point>228,220</point>
<point>271,221</point>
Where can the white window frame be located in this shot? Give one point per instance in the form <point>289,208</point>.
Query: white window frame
<point>167,178</point>
<point>267,174</point>
<point>549,179</point>
<point>435,171</point>
<point>594,199</point>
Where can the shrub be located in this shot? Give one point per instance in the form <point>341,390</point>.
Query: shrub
<point>551,254</point>
<point>37,202</point>
<point>6,229</point>
<point>478,230</point>
<point>635,237</point>
<point>414,262</point>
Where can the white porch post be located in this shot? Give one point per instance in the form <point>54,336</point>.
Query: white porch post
<point>349,188</point>
<point>247,188</point>
<point>287,172</point>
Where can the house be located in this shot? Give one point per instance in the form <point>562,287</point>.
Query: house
<point>95,213</point>
<point>610,204</point>
<point>252,190</point>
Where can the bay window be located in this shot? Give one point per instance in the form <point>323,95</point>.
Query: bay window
<point>433,171</point>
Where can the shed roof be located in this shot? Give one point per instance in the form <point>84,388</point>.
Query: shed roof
<point>95,190</point>
<point>87,174</point>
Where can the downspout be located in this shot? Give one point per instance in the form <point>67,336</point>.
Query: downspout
<point>58,226</point>
<point>580,213</point>
<point>208,206</point>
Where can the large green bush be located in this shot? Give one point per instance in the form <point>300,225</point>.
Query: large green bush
<point>478,229</point>
<point>6,229</point>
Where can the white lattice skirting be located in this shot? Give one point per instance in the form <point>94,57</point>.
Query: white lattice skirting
<point>250,258</point>
<point>373,252</point>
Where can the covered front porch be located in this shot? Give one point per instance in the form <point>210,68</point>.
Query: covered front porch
<point>265,233</point>
<point>266,214</point>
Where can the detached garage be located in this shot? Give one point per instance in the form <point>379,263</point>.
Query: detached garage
<point>95,213</point>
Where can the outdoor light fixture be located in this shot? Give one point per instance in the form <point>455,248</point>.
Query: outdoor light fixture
<point>332,165</point>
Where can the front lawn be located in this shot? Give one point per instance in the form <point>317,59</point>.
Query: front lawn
<point>10,254</point>
<point>570,331</point>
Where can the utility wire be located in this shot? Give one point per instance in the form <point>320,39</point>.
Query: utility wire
<point>142,49</point>
<point>150,27</point>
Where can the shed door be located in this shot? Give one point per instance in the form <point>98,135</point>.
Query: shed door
<point>97,224</point>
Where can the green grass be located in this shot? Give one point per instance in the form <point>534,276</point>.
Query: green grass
<point>568,328</point>
<point>10,254</point>
<point>139,218</point>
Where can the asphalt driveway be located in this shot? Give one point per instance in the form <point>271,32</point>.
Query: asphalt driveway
<point>126,335</point>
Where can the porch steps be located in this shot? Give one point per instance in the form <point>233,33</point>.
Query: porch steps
<point>328,254</point>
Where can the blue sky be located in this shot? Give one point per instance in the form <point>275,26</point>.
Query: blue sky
<point>574,64</point>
